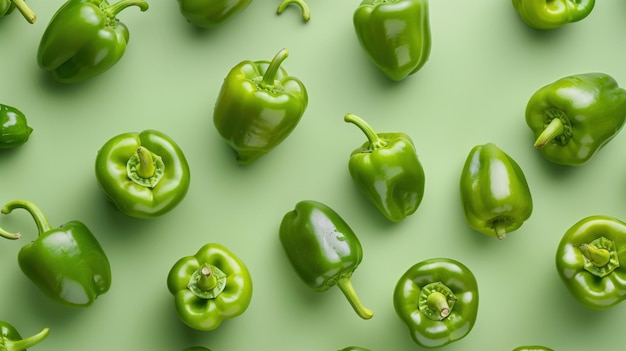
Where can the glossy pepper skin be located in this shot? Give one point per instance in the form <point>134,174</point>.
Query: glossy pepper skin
<point>84,38</point>
<point>323,250</point>
<point>210,286</point>
<point>551,14</point>
<point>574,117</point>
<point>145,174</point>
<point>387,171</point>
<point>8,6</point>
<point>438,301</point>
<point>589,260</point>
<point>211,13</point>
<point>532,348</point>
<point>258,106</point>
<point>14,128</point>
<point>495,195</point>
<point>11,340</point>
<point>66,263</point>
<point>398,50</point>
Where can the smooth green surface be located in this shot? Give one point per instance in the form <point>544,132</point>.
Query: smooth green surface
<point>484,66</point>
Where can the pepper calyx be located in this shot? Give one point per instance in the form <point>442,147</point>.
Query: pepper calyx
<point>374,139</point>
<point>207,282</point>
<point>600,256</point>
<point>436,301</point>
<point>145,168</point>
<point>499,225</point>
<point>557,128</point>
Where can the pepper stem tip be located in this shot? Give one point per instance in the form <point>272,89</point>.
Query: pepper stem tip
<point>28,14</point>
<point>345,284</point>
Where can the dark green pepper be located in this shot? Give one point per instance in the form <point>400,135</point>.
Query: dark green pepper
<point>210,286</point>
<point>494,192</point>
<point>532,348</point>
<point>67,263</point>
<point>258,106</point>
<point>211,13</point>
<point>550,14</point>
<point>84,39</point>
<point>574,117</point>
<point>395,34</point>
<point>387,170</point>
<point>438,300</point>
<point>144,174</point>
<point>323,250</point>
<point>304,7</point>
<point>8,6</point>
<point>11,340</point>
<point>14,129</point>
<point>590,258</point>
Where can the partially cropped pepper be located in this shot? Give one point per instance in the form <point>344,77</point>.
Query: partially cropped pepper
<point>551,14</point>
<point>304,7</point>
<point>11,340</point>
<point>66,263</point>
<point>495,195</point>
<point>144,174</point>
<point>210,286</point>
<point>574,117</point>
<point>84,38</point>
<point>395,34</point>
<point>323,250</point>
<point>258,106</point>
<point>211,13</point>
<point>14,128</point>
<point>8,6</point>
<point>438,301</point>
<point>532,348</point>
<point>590,259</point>
<point>387,170</point>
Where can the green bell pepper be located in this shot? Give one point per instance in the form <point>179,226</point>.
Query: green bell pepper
<point>304,7</point>
<point>532,348</point>
<point>67,263</point>
<point>210,286</point>
<point>8,6</point>
<point>576,116</point>
<point>84,38</point>
<point>387,170</point>
<point>395,34</point>
<point>550,14</point>
<point>258,106</point>
<point>494,192</point>
<point>11,340</point>
<point>323,250</point>
<point>438,300</point>
<point>14,128</point>
<point>588,261</point>
<point>144,174</point>
<point>211,13</point>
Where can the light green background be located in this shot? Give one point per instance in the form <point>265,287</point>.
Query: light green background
<point>485,64</point>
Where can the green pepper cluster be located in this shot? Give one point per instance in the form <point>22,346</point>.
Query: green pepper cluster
<point>146,175</point>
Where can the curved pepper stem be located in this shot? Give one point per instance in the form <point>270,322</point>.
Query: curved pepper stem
<point>375,141</point>
<point>554,129</point>
<point>116,8</point>
<point>599,257</point>
<point>270,74</point>
<point>28,14</point>
<point>19,345</point>
<point>306,14</point>
<point>40,219</point>
<point>345,284</point>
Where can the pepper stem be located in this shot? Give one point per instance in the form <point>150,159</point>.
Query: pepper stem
<point>25,11</point>
<point>207,280</point>
<point>554,129</point>
<point>40,219</point>
<point>116,8</point>
<point>599,257</point>
<point>272,69</point>
<point>19,345</point>
<point>375,141</point>
<point>438,302</point>
<point>306,14</point>
<point>345,284</point>
<point>500,228</point>
<point>146,167</point>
